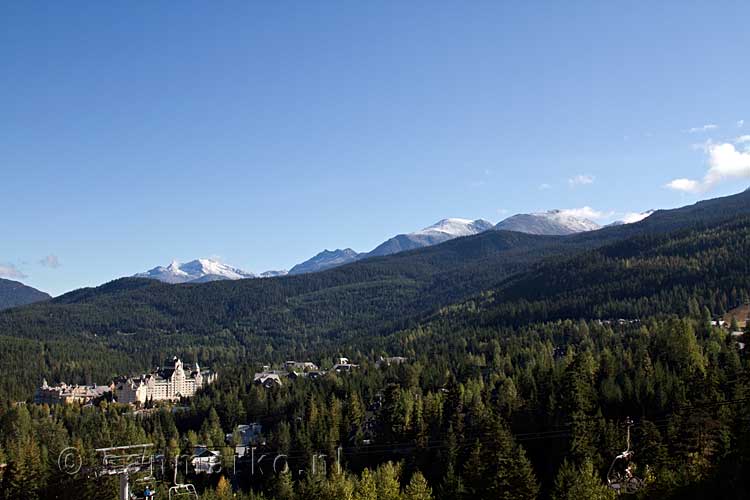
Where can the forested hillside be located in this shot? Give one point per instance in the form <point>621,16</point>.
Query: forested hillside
<point>138,322</point>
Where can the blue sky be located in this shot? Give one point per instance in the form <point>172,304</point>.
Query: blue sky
<point>132,134</point>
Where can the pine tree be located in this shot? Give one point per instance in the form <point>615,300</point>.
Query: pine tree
<point>366,487</point>
<point>576,483</point>
<point>387,481</point>
<point>223,489</point>
<point>283,488</point>
<point>417,489</point>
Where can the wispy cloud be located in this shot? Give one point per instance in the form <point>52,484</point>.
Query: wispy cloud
<point>50,261</point>
<point>704,128</point>
<point>740,123</point>
<point>725,161</point>
<point>545,186</point>
<point>581,180</point>
<point>742,139</point>
<point>586,213</point>
<point>10,271</point>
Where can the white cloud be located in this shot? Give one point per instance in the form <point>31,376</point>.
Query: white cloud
<point>704,128</point>
<point>687,185</point>
<point>740,123</point>
<point>580,180</point>
<point>725,162</point>
<point>10,271</point>
<point>50,261</point>
<point>742,139</point>
<point>586,213</point>
<point>545,186</point>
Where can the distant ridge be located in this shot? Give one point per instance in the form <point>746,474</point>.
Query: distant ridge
<point>15,293</point>
<point>551,223</point>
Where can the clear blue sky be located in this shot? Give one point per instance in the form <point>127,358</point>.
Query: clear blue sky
<point>133,133</point>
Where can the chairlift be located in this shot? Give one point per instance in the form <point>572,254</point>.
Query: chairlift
<point>183,491</point>
<point>620,475</point>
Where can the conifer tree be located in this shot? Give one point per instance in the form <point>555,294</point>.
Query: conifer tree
<point>417,489</point>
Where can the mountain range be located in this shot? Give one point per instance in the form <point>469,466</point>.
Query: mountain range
<point>553,222</point>
<point>202,270</point>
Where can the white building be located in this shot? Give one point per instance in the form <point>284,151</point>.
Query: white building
<point>68,394</point>
<point>164,384</point>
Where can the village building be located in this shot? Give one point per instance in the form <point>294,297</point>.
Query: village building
<point>164,384</point>
<point>244,437</point>
<point>301,366</point>
<point>205,461</point>
<point>343,366</point>
<point>394,360</point>
<point>269,379</point>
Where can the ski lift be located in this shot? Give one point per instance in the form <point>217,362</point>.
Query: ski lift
<point>620,475</point>
<point>183,491</point>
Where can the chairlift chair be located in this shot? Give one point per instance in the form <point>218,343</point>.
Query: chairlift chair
<point>183,491</point>
<point>620,475</point>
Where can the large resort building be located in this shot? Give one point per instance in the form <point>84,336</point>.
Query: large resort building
<point>69,394</point>
<point>164,384</point>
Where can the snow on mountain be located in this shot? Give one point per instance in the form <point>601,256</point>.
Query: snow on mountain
<point>195,271</point>
<point>632,218</point>
<point>274,274</point>
<point>443,230</point>
<point>552,222</point>
<point>325,260</point>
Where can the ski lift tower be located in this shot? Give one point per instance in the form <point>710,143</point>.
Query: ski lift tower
<point>124,461</point>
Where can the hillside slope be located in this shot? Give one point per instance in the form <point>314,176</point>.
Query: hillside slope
<point>92,333</point>
<point>14,293</point>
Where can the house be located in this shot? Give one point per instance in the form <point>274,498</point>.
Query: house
<point>268,379</point>
<point>312,375</point>
<point>247,435</point>
<point>344,366</point>
<point>205,461</point>
<point>301,366</point>
<point>395,360</point>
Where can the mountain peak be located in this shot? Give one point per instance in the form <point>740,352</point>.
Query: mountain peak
<point>551,222</point>
<point>326,260</point>
<point>195,271</point>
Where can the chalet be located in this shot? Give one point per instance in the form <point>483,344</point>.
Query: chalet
<point>395,360</point>
<point>245,436</point>
<point>268,379</point>
<point>205,461</point>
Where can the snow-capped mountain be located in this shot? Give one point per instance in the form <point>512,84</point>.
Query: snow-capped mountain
<point>443,230</point>
<point>195,271</point>
<point>274,274</point>
<point>631,218</point>
<point>325,260</point>
<point>552,222</point>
